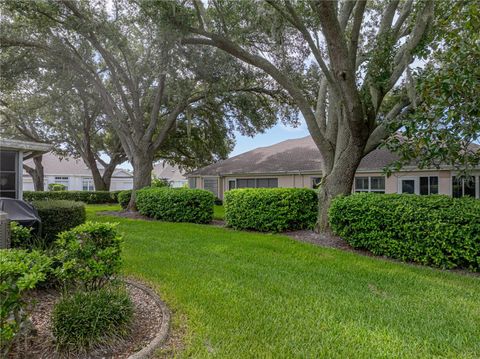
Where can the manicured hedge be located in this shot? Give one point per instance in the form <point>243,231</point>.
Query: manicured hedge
<point>59,216</point>
<point>124,198</point>
<point>271,209</point>
<point>176,204</point>
<point>89,197</point>
<point>433,230</point>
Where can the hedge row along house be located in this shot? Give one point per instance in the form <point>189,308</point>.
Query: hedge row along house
<point>297,163</point>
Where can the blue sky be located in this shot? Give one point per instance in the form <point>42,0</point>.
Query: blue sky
<point>278,133</point>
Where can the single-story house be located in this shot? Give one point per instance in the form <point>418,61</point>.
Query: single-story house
<point>75,175</point>
<point>12,155</point>
<point>172,174</point>
<point>297,163</point>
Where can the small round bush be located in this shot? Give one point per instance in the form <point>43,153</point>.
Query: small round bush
<point>59,216</point>
<point>20,270</point>
<point>124,198</point>
<point>88,256</point>
<point>88,319</point>
<point>56,187</point>
<point>20,236</point>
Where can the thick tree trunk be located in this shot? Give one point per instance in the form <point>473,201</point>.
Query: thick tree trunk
<point>142,175</point>
<point>107,175</point>
<point>338,182</point>
<point>36,173</point>
<point>98,181</point>
<point>97,177</point>
<point>102,181</point>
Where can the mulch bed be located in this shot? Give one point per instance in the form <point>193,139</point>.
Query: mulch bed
<point>40,343</point>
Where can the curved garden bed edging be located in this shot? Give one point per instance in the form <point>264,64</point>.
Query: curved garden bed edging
<point>162,334</point>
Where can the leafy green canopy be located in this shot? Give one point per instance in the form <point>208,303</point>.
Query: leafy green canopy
<point>445,126</point>
<point>159,96</point>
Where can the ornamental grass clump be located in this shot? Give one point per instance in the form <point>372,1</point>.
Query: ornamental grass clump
<point>85,320</point>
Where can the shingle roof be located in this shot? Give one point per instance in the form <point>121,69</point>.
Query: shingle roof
<point>69,166</point>
<point>297,155</point>
<point>164,170</point>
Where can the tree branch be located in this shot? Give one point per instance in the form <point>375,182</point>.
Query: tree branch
<point>228,46</point>
<point>405,55</point>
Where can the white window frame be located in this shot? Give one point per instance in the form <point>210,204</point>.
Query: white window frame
<point>477,185</point>
<point>61,180</point>
<point>409,178</point>
<point>90,184</point>
<point>429,185</point>
<point>369,189</point>
<point>228,183</point>
<point>256,181</point>
<point>217,185</point>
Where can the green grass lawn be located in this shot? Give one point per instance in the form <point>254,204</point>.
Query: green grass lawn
<point>248,295</point>
<point>218,213</point>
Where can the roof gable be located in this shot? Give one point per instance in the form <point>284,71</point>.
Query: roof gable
<point>297,155</point>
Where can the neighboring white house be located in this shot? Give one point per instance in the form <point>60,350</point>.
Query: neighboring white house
<point>75,175</point>
<point>172,174</point>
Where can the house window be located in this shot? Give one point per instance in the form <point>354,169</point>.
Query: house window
<point>257,183</point>
<point>8,174</point>
<point>232,184</point>
<point>316,182</point>
<point>211,184</point>
<point>463,186</point>
<point>87,184</point>
<point>370,184</point>
<point>192,182</point>
<point>429,185</point>
<point>62,180</point>
<point>267,182</point>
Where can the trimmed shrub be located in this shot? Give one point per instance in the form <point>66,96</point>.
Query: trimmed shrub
<point>88,319</point>
<point>89,197</point>
<point>271,209</point>
<point>160,182</point>
<point>124,198</point>
<point>59,216</point>
<point>88,256</point>
<point>434,230</point>
<point>113,196</point>
<point>176,204</point>
<point>19,271</point>
<point>56,187</point>
<point>20,236</point>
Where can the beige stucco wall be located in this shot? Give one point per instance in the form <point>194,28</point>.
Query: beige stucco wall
<point>392,183</point>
